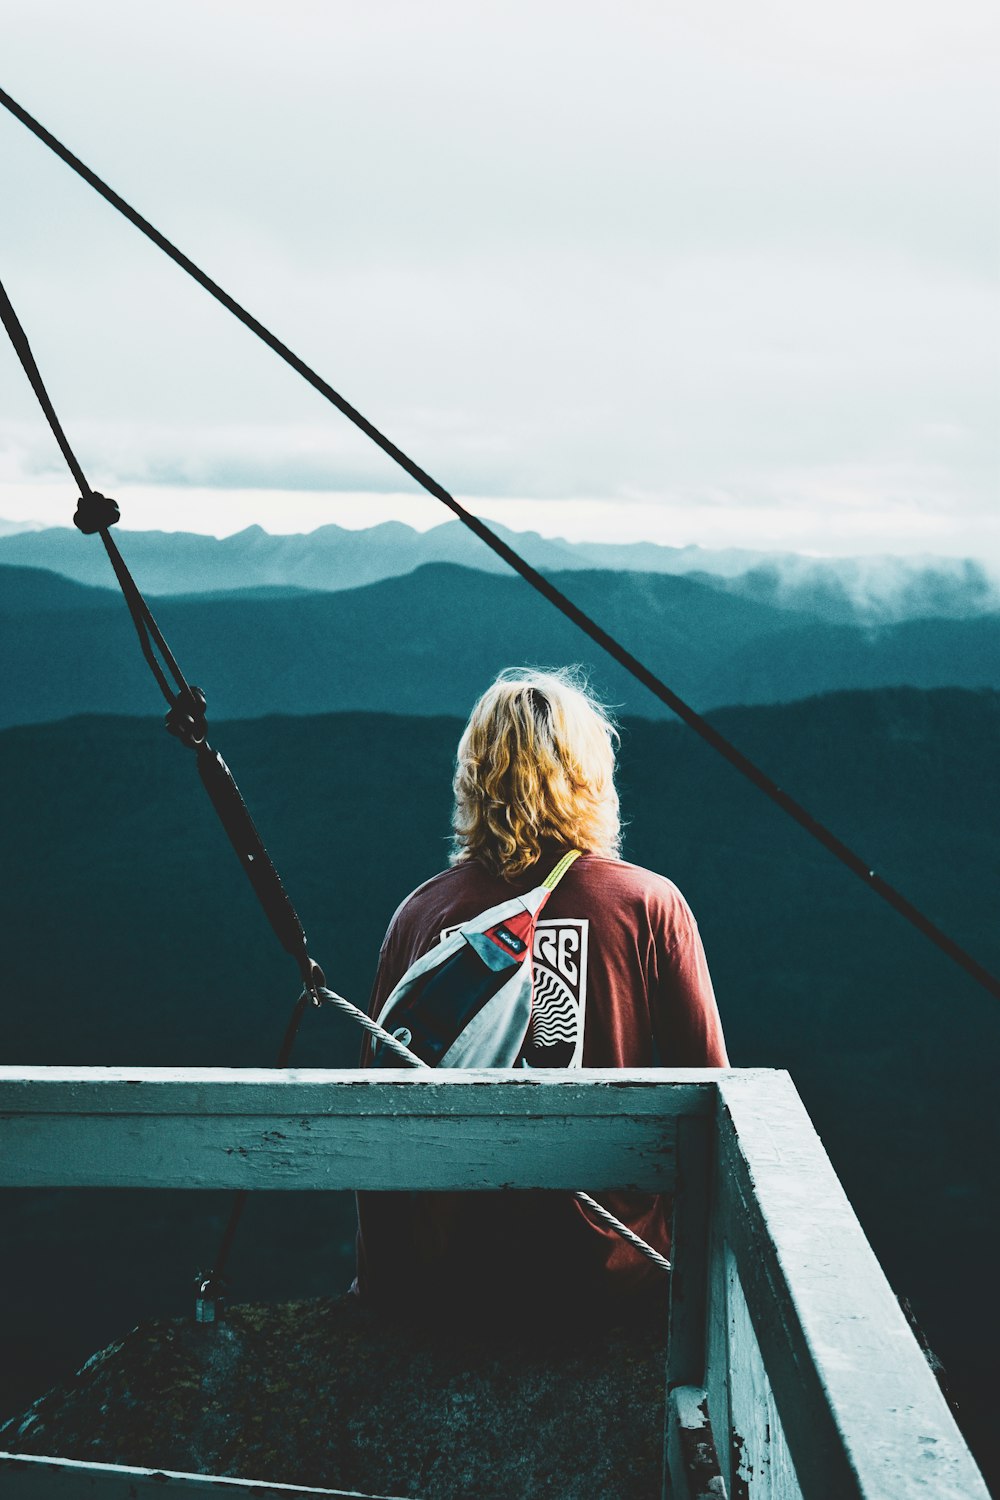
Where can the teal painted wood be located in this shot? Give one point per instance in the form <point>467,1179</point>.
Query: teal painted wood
<point>862,1413</point>
<point>689,1253</point>
<point>717,1341</point>
<point>689,1259</point>
<point>385,1092</point>
<point>692,1469</point>
<point>760,1465</point>
<point>458,1153</point>
<point>26,1477</point>
<point>800,1324</point>
<point>305,1129</point>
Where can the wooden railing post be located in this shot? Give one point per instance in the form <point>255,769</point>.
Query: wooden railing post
<point>814,1333</point>
<point>689,1253</point>
<point>690,1459</point>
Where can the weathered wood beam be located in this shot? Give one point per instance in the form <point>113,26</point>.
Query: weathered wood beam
<point>692,1464</point>
<point>387,1092</point>
<point>862,1413</point>
<point>758,1458</point>
<point>26,1477</point>
<point>324,1129</point>
<point>689,1252</point>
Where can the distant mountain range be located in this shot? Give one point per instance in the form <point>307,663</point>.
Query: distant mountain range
<point>8,528</point>
<point>863,590</point>
<point>133,937</point>
<point>428,642</point>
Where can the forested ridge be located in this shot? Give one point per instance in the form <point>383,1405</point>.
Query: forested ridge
<point>427,642</point>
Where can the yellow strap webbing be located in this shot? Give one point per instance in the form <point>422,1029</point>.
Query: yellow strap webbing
<point>556,874</point>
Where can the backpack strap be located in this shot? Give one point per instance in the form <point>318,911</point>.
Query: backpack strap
<point>556,874</point>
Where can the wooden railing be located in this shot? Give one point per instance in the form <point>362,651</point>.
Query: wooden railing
<point>791,1370</point>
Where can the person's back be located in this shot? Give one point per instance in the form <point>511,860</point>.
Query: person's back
<point>620,980</point>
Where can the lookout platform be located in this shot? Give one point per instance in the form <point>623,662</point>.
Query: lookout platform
<point>790,1369</point>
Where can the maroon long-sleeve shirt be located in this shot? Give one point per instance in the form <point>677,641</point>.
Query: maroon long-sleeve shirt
<point>618,968</point>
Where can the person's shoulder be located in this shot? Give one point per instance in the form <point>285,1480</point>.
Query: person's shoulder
<point>441,884</point>
<point>641,897</point>
<point>627,879</point>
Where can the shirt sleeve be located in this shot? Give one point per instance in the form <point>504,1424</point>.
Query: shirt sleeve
<point>684,1012</point>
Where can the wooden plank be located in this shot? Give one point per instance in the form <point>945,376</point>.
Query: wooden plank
<point>693,1471</point>
<point>27,1477</point>
<point>761,1464</point>
<point>689,1254</point>
<point>861,1410</point>
<point>455,1152</point>
<point>389,1092</point>
<point>717,1352</point>
<point>320,1129</point>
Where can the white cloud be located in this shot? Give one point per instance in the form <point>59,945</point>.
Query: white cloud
<point>553,251</point>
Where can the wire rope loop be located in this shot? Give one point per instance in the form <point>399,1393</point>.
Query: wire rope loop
<point>635,1240</point>
<point>374,1030</point>
<point>313,979</point>
<point>185,719</point>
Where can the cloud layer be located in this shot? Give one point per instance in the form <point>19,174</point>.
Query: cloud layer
<point>556,253</point>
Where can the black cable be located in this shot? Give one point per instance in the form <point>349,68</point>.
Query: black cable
<point>19,339</point>
<point>186,719</point>
<point>104,512</point>
<point>548,590</point>
<point>144,623</point>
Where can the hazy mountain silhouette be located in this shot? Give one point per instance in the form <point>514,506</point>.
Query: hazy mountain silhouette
<point>868,590</point>
<point>427,642</point>
<point>875,589</point>
<point>31,591</point>
<point>133,937</point>
<point>9,528</point>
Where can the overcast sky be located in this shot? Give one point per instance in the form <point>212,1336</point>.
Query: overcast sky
<point>703,271</point>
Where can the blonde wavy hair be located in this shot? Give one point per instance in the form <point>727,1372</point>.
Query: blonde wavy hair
<point>536,763</point>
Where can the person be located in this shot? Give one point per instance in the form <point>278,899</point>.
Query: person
<point>620,981</point>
